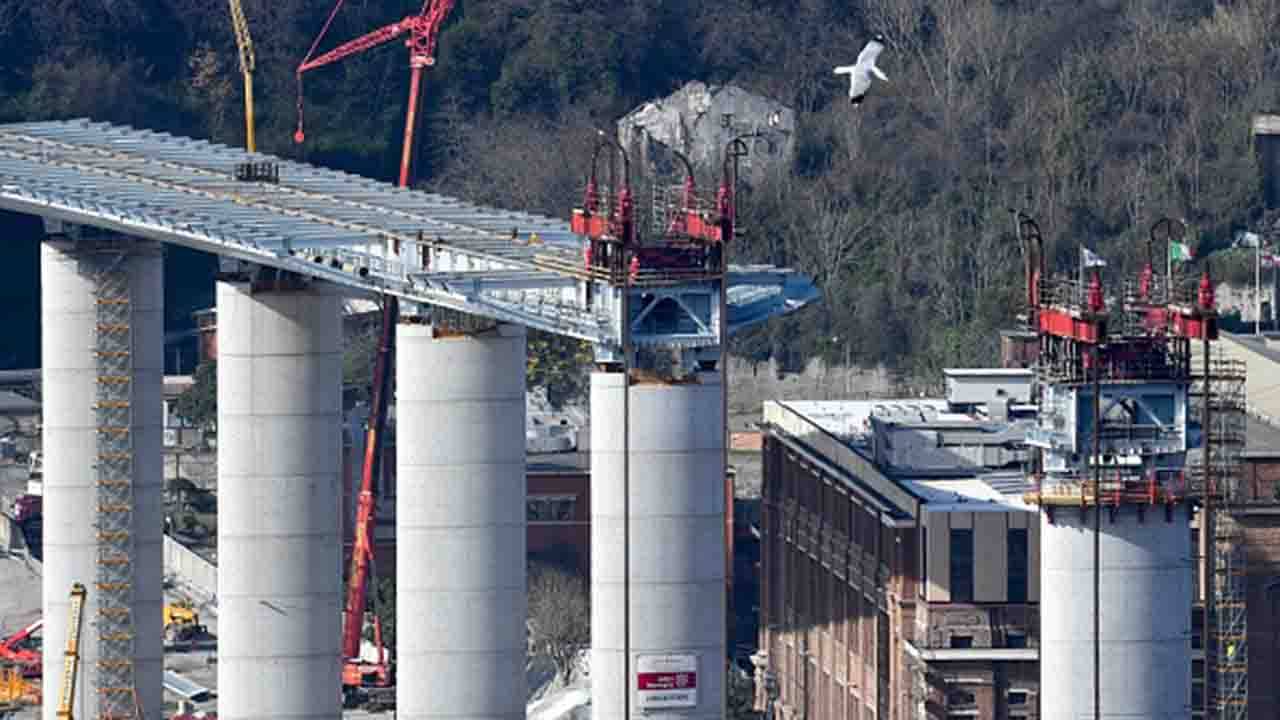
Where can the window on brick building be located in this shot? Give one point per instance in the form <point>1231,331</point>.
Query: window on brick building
<point>1018,565</point>
<point>962,565</point>
<point>551,508</point>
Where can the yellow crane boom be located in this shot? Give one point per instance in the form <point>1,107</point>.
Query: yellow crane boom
<point>71,656</point>
<point>245,43</point>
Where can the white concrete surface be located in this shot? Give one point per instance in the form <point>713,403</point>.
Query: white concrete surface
<point>279,480</point>
<point>20,602</point>
<point>460,524</point>
<point>69,438</point>
<point>188,568</point>
<point>1145,619</point>
<point>677,537</point>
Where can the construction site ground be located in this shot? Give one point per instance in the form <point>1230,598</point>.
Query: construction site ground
<point>20,604</point>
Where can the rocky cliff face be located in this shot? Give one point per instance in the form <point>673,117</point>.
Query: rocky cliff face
<point>700,120</point>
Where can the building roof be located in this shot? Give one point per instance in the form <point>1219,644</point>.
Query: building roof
<point>1261,439</point>
<point>558,463</point>
<point>11,403</point>
<point>911,453</point>
<point>994,492</point>
<point>988,372</point>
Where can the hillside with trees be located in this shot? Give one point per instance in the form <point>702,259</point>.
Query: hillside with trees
<point>1096,118</point>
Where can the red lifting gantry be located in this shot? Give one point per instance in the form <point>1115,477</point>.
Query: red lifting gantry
<point>1069,319</point>
<point>692,242</point>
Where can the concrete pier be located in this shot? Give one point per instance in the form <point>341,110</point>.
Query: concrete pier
<point>70,438</point>
<point>677,540</point>
<point>460,523</point>
<point>279,493</point>
<point>1145,594</point>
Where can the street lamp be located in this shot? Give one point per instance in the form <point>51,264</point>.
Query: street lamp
<point>835,340</point>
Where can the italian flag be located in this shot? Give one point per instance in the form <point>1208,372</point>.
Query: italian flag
<point>1179,252</point>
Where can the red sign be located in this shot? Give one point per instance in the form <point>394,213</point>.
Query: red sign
<point>667,681</point>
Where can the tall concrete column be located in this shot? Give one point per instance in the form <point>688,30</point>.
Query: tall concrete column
<point>675,441</point>
<point>1145,621</point>
<point>460,523</point>
<point>279,503</point>
<point>70,440</point>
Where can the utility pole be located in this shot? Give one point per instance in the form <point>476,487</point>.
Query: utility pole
<point>1096,452</point>
<point>1207,539</point>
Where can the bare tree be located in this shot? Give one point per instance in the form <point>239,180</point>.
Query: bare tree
<point>559,617</point>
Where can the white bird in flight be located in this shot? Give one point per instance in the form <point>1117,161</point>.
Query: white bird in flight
<point>861,72</point>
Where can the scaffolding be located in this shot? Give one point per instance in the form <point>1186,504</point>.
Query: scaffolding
<point>1226,653</point>
<point>113,406</point>
<point>1230,624</point>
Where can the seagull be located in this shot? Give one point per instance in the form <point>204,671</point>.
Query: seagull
<point>861,72</point>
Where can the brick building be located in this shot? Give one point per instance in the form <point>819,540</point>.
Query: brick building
<point>898,562</point>
<point>558,488</point>
<point>1257,524</point>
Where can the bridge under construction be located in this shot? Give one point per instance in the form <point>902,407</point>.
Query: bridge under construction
<point>295,240</point>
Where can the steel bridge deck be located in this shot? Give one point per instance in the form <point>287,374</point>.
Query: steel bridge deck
<point>328,224</point>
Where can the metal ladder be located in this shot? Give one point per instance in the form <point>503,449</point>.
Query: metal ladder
<point>71,656</point>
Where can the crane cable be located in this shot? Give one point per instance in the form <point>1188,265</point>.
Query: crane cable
<point>315,44</point>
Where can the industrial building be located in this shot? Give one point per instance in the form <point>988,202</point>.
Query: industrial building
<point>898,573</point>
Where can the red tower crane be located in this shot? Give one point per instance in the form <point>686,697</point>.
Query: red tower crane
<point>422,30</point>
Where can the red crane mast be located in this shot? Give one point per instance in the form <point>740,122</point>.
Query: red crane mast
<point>422,30</point>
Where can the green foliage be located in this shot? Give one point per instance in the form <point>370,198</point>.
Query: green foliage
<point>741,696</point>
<point>560,365</point>
<point>359,355</point>
<point>384,607</point>
<point>199,403</point>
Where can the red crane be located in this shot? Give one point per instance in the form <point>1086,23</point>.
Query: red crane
<point>422,29</point>
<point>11,649</point>
<point>357,673</point>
